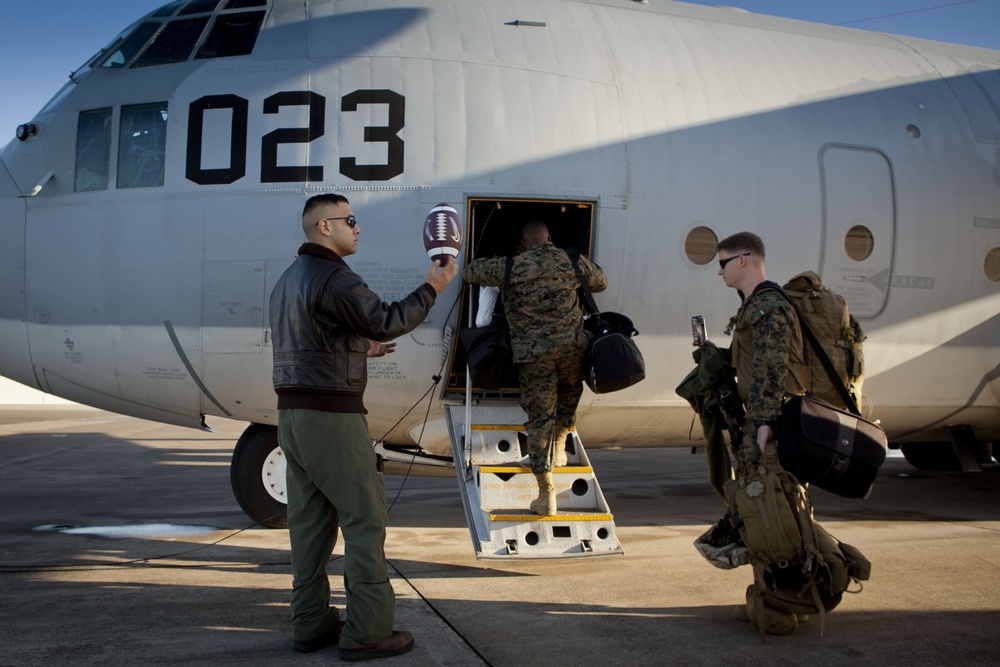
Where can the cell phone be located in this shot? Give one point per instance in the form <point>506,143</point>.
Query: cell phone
<point>698,336</point>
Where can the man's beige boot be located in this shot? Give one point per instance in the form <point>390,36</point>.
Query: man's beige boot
<point>559,458</point>
<point>545,503</point>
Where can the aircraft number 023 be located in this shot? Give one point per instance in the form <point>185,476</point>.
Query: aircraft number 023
<point>270,171</point>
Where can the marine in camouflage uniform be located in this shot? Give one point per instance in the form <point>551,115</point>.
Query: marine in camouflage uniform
<point>766,346</point>
<point>768,336</point>
<point>547,336</point>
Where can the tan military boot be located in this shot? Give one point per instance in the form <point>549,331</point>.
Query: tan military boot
<point>545,503</point>
<point>559,458</point>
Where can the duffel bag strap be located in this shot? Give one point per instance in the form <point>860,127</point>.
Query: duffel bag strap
<point>586,298</point>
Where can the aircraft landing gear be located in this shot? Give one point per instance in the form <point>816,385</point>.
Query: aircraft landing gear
<point>936,456</point>
<point>257,474</point>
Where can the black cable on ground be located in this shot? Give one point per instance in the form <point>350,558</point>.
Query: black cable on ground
<point>439,614</point>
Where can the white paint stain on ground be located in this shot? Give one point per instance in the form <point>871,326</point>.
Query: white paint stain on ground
<point>146,530</point>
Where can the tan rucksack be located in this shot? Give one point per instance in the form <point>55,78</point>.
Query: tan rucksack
<point>799,568</point>
<point>826,314</point>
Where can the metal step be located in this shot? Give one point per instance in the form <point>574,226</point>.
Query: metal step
<point>497,486</point>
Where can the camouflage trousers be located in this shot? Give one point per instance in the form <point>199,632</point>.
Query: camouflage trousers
<point>550,391</point>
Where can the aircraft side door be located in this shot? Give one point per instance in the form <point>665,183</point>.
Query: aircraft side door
<point>859,226</point>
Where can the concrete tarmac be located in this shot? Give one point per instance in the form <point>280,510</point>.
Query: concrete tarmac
<point>121,544</point>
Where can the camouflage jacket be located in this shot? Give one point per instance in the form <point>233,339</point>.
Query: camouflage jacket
<point>767,337</point>
<point>542,307</point>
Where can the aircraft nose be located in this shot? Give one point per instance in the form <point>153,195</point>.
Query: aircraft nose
<point>15,357</point>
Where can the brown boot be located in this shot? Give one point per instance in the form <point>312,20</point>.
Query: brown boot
<point>545,503</point>
<point>399,642</point>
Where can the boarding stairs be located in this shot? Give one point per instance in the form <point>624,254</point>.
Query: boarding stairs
<point>497,486</point>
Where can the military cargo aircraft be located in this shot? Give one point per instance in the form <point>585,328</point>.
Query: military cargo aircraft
<point>148,209</point>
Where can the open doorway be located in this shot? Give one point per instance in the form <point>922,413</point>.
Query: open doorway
<point>494,230</point>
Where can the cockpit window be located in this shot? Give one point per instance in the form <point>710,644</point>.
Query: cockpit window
<point>93,150</point>
<point>232,35</point>
<point>188,29</point>
<point>142,143</point>
<point>131,46</point>
<point>174,43</point>
<point>199,6</point>
<point>168,10</point>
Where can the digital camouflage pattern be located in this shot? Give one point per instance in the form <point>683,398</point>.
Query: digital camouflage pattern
<point>767,336</point>
<point>550,391</point>
<point>542,307</point>
<point>546,332</point>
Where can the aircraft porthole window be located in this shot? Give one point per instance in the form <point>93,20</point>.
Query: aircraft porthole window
<point>700,244</point>
<point>991,265</point>
<point>913,131</point>
<point>859,243</point>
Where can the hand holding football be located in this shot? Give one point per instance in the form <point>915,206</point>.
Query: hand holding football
<point>442,233</point>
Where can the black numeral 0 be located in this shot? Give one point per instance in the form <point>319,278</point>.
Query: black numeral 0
<point>237,144</point>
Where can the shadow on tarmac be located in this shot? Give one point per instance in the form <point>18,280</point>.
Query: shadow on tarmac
<point>222,599</point>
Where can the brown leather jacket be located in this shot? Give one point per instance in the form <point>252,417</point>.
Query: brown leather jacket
<point>322,316</point>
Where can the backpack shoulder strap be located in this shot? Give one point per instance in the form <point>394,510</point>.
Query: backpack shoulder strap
<point>586,298</point>
<point>821,354</point>
<point>506,277</point>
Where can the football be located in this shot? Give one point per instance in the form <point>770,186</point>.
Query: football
<point>442,233</point>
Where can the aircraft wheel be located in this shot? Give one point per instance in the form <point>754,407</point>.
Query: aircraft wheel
<point>257,474</point>
<point>931,456</point>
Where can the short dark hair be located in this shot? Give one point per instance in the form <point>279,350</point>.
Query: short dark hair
<point>319,200</point>
<point>535,229</point>
<point>742,242</point>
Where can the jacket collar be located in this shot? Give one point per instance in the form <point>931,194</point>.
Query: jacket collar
<point>316,250</point>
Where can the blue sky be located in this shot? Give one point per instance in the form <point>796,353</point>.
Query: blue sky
<point>44,41</point>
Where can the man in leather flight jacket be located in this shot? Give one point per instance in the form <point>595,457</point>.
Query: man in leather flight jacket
<point>325,323</point>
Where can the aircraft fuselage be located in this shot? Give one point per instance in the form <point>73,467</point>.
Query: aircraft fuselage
<point>136,277</point>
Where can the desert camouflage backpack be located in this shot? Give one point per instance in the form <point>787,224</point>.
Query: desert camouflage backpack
<point>825,313</point>
<point>799,568</point>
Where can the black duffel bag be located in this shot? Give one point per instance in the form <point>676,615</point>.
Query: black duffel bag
<point>488,353</point>
<point>834,449</point>
<point>613,360</point>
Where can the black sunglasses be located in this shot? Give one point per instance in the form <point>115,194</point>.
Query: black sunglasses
<point>350,219</point>
<point>723,262</point>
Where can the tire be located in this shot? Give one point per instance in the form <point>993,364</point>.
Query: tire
<point>931,456</point>
<point>257,474</point>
